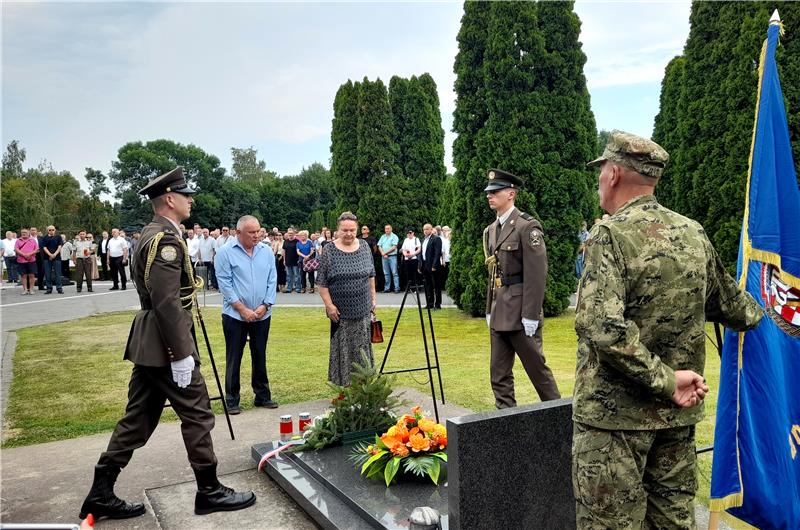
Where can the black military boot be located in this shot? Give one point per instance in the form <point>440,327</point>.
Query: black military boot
<point>214,497</point>
<point>101,501</point>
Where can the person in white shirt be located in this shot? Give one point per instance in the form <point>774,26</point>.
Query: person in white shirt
<point>411,249</point>
<point>193,244</point>
<point>10,256</point>
<point>444,270</point>
<point>206,253</point>
<point>117,259</point>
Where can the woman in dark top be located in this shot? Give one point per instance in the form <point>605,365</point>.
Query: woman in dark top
<point>346,281</point>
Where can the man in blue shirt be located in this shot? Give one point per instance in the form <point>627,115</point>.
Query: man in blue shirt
<point>387,245</point>
<point>247,279</point>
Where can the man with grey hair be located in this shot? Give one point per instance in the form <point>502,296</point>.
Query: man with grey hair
<point>248,281</point>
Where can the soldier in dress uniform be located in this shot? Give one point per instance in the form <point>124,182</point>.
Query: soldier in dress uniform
<point>163,350</point>
<point>651,280</point>
<point>517,260</point>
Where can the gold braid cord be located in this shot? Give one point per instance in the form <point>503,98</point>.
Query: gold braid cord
<point>188,299</point>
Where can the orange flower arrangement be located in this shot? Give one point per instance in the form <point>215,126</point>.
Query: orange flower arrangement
<point>415,442</point>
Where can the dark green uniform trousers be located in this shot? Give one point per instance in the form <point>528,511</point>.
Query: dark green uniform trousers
<point>634,479</point>
<point>148,390</point>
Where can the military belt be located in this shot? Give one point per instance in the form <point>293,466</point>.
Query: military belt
<point>510,280</point>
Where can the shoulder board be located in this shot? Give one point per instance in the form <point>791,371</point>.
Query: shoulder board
<point>526,216</point>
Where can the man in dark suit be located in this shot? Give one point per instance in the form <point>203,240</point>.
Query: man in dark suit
<point>517,260</point>
<point>429,266</point>
<point>102,253</point>
<point>163,350</point>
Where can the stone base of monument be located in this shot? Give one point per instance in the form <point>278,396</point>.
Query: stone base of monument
<point>332,491</point>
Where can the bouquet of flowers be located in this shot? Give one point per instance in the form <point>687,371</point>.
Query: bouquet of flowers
<point>415,442</point>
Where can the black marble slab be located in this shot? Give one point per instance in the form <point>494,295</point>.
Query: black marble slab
<point>512,468</point>
<point>333,492</point>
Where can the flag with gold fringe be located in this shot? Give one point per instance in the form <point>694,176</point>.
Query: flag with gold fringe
<point>755,478</point>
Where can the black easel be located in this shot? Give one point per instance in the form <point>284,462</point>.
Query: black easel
<point>428,366</point>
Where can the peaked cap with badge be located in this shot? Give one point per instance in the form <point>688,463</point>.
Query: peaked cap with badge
<point>499,180</point>
<point>640,154</point>
<point>171,181</point>
<point>516,256</point>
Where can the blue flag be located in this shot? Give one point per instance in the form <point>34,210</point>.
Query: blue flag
<point>756,469</point>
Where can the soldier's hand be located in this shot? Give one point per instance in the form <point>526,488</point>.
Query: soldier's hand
<point>530,326</point>
<point>182,371</point>
<point>690,388</point>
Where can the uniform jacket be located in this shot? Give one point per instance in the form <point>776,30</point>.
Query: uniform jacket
<point>162,331</point>
<point>650,282</point>
<point>521,254</point>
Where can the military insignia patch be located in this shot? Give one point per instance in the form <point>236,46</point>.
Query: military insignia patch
<point>535,238</point>
<point>169,253</point>
<point>492,175</point>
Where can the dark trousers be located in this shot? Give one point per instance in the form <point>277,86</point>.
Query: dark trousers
<point>52,272</point>
<point>118,272</point>
<point>40,271</point>
<point>148,391</point>
<point>433,290</point>
<point>104,267</point>
<point>83,267</point>
<point>410,267</point>
<point>11,267</point>
<point>306,278</point>
<point>236,333</point>
<point>212,276</point>
<point>504,345</point>
<point>443,272</point>
<point>65,275</point>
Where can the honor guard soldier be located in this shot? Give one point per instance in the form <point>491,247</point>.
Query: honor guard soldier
<point>163,350</point>
<point>517,260</point>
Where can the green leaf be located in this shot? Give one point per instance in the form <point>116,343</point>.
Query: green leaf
<point>433,472</point>
<point>441,455</point>
<point>372,459</point>
<point>377,468</point>
<point>391,469</point>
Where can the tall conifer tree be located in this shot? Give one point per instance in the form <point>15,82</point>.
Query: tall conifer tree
<point>381,200</point>
<point>344,147</point>
<point>709,132</point>
<point>538,125</point>
<point>466,283</point>
<point>420,138</point>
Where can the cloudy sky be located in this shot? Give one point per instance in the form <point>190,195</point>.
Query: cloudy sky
<point>79,80</point>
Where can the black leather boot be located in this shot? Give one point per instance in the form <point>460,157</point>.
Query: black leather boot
<point>101,501</point>
<point>214,497</point>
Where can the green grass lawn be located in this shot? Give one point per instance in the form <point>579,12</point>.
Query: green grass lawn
<point>70,379</point>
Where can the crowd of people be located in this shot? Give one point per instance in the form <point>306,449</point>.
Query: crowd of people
<point>45,259</point>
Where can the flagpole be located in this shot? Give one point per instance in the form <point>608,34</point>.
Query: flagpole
<point>713,520</point>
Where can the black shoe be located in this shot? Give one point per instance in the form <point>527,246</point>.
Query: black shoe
<point>49,291</point>
<point>101,501</point>
<point>115,288</point>
<point>60,291</point>
<point>214,497</point>
<point>233,410</point>
<point>90,290</point>
<point>266,404</point>
<point>124,288</point>
<point>79,289</point>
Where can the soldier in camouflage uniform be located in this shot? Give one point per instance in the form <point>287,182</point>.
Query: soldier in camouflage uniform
<point>651,280</point>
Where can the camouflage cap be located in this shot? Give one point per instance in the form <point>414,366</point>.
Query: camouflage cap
<point>640,154</point>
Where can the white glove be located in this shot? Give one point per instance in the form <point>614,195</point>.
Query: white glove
<point>530,326</point>
<point>182,371</point>
<point>488,320</point>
